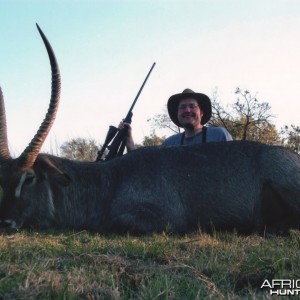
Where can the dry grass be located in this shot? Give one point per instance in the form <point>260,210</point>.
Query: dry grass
<point>56,265</point>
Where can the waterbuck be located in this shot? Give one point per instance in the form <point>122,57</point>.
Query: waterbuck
<point>245,186</point>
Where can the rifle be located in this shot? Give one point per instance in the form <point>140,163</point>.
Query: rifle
<point>119,136</point>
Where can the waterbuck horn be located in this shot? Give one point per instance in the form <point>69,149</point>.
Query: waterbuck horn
<point>28,157</point>
<point>4,151</point>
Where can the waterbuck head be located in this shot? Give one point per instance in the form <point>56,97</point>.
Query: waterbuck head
<point>19,177</point>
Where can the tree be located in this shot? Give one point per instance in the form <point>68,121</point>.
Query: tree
<point>254,116</point>
<point>246,118</point>
<point>153,140</point>
<point>79,149</point>
<point>291,137</point>
<point>163,121</point>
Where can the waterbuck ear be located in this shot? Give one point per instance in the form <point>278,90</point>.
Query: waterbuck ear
<point>60,177</point>
<point>53,172</point>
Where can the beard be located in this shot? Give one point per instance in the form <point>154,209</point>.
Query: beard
<point>188,126</point>
<point>191,122</point>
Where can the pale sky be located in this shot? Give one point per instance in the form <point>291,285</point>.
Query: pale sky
<point>106,48</point>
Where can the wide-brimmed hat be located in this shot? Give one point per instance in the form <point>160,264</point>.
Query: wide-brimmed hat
<point>202,99</point>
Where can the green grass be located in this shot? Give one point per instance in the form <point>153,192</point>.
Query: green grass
<point>56,265</point>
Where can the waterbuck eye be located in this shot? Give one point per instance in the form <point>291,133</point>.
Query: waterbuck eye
<point>29,179</point>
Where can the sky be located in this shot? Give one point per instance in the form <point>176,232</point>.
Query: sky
<point>105,49</point>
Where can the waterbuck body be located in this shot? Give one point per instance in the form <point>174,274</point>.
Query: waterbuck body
<point>245,186</point>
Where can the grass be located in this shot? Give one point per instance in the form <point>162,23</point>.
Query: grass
<point>83,265</point>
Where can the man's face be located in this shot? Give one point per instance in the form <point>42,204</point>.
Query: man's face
<point>189,113</point>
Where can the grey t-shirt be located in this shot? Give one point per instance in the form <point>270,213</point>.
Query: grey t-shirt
<point>213,134</point>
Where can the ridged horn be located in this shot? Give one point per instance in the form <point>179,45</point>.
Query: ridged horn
<point>4,151</point>
<point>29,155</point>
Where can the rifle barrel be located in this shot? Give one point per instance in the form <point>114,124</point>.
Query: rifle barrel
<point>138,94</point>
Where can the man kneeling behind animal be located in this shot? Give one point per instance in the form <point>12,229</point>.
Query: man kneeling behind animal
<point>191,111</point>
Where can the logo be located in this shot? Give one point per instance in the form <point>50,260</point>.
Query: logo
<point>282,287</point>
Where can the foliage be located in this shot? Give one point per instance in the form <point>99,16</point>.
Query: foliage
<point>79,149</point>
<point>163,121</point>
<point>83,265</point>
<point>291,137</point>
<point>153,140</point>
<point>246,118</point>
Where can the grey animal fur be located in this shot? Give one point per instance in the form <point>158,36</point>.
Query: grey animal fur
<point>238,185</point>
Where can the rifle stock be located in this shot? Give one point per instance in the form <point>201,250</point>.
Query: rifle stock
<point>119,136</point>
<point>112,131</point>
